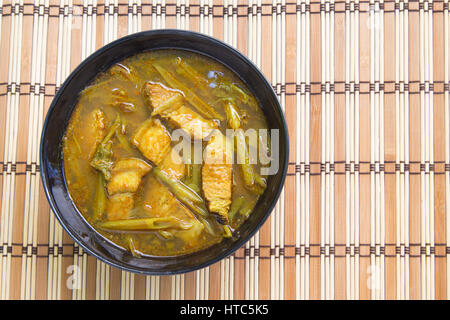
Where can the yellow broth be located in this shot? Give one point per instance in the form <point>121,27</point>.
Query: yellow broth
<point>111,94</point>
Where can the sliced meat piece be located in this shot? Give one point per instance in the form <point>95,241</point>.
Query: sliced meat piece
<point>173,165</point>
<point>91,132</point>
<point>217,178</point>
<point>126,175</point>
<point>161,98</point>
<point>98,124</point>
<point>153,140</point>
<point>190,121</point>
<point>169,104</point>
<point>119,206</point>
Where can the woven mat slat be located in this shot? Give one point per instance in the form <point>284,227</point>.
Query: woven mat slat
<point>365,89</point>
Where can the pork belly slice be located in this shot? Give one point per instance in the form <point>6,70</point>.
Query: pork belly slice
<point>170,104</point>
<point>126,175</point>
<point>153,140</point>
<point>119,206</point>
<point>217,177</point>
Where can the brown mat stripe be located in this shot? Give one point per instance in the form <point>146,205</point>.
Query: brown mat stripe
<point>365,88</point>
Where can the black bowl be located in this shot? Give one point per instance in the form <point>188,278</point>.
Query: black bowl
<point>52,167</point>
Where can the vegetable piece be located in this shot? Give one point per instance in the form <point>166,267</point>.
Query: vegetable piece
<point>179,189</point>
<point>247,170</point>
<point>124,143</point>
<point>228,233</point>
<point>183,193</point>
<point>192,74</point>
<point>121,100</point>
<point>260,180</point>
<point>131,246</point>
<point>226,89</point>
<point>99,199</point>
<point>194,187</point>
<point>188,177</point>
<point>165,234</point>
<point>143,224</point>
<point>233,118</point>
<point>102,160</point>
<point>196,180</point>
<point>223,88</point>
<point>207,224</point>
<point>236,204</point>
<point>247,208</point>
<point>259,186</point>
<point>193,99</point>
<point>198,209</point>
<point>123,140</point>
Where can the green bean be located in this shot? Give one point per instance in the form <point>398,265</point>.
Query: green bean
<point>193,99</point>
<point>256,189</point>
<point>131,246</point>
<point>233,118</point>
<point>243,159</point>
<point>228,233</point>
<point>102,160</point>
<point>225,89</point>
<point>209,228</point>
<point>112,130</point>
<point>141,224</point>
<point>194,187</point>
<point>99,198</point>
<point>188,170</point>
<point>178,188</point>
<point>247,208</point>
<point>235,206</point>
<point>260,180</point>
<point>246,98</point>
<point>199,209</point>
<point>165,234</point>
<point>124,142</point>
<point>183,193</point>
<point>187,160</point>
<point>196,177</point>
<point>186,70</point>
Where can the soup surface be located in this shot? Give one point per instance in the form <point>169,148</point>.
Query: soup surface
<point>158,153</point>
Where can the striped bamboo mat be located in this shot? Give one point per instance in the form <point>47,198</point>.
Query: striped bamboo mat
<point>365,89</point>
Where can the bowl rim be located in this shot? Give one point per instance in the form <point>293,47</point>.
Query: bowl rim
<point>167,32</point>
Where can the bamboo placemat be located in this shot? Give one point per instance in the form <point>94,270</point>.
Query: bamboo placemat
<point>365,89</point>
